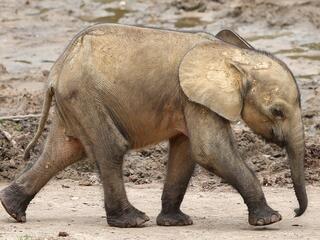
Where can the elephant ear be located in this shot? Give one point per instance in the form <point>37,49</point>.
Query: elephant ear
<point>233,38</point>
<point>208,78</point>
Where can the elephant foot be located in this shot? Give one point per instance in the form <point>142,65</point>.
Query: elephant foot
<point>263,216</point>
<point>174,219</point>
<point>15,201</point>
<point>131,217</point>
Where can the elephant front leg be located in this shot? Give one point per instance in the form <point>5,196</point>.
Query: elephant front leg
<point>213,147</point>
<point>180,169</point>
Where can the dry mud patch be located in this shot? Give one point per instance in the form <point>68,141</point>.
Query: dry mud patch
<point>148,165</point>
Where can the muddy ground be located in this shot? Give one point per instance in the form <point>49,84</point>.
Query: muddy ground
<point>33,33</point>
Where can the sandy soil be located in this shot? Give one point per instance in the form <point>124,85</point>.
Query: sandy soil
<point>33,33</point>
<point>32,37</point>
<point>63,206</point>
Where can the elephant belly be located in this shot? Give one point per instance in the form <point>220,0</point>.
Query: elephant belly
<point>149,120</point>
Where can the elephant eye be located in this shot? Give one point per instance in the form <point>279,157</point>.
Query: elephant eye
<point>277,112</point>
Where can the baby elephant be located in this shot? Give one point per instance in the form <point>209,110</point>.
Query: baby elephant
<point>120,87</point>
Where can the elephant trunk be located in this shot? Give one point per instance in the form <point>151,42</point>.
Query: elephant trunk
<point>295,149</point>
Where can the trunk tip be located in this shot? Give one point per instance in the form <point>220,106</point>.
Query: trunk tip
<point>302,199</point>
<point>300,211</point>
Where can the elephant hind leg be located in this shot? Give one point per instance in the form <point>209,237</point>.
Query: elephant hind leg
<point>59,152</point>
<point>109,155</point>
<point>180,169</point>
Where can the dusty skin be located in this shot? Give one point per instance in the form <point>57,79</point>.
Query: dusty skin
<point>64,206</point>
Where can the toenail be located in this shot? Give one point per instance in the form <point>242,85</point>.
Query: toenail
<point>260,222</point>
<point>23,218</point>
<point>140,221</point>
<point>274,218</point>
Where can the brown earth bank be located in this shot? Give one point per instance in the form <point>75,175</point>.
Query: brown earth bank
<point>148,165</point>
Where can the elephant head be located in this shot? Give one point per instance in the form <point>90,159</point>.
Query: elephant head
<point>236,81</point>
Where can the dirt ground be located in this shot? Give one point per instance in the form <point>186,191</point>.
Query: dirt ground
<point>33,33</point>
<point>63,206</point>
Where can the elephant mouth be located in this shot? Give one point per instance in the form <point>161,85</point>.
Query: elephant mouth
<point>277,138</point>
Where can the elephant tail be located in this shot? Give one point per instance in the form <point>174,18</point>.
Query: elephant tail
<point>44,116</point>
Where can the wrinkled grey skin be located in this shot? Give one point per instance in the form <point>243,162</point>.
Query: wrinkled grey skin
<point>122,87</point>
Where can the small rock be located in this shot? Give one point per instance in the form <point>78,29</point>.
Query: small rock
<point>277,155</point>
<point>63,234</point>
<point>190,5</point>
<point>45,73</point>
<point>309,114</point>
<point>266,182</point>
<point>95,179</point>
<point>85,183</point>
